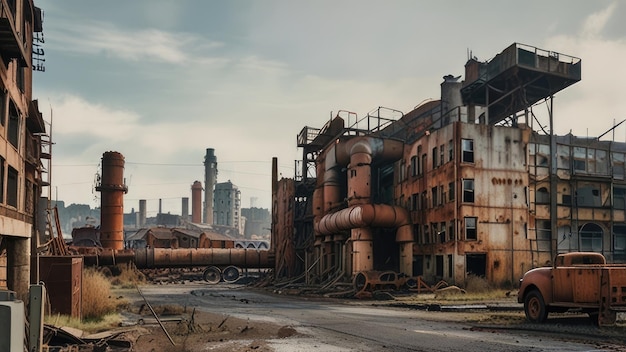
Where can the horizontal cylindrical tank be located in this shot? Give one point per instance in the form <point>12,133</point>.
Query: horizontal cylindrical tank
<point>182,257</point>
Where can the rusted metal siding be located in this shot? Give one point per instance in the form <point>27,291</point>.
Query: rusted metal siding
<point>499,176</point>
<point>62,276</point>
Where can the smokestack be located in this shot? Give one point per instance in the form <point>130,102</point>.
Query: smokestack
<point>160,206</point>
<point>185,209</point>
<point>112,190</point>
<point>196,202</point>
<point>210,178</point>
<point>142,213</point>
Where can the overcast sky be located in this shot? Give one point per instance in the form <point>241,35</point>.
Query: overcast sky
<point>161,81</point>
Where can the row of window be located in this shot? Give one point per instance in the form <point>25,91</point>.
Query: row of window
<point>580,159</point>
<point>438,196</point>
<point>445,231</point>
<point>439,157</point>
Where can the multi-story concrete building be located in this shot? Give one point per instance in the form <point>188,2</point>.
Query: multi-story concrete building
<point>459,186</point>
<point>227,206</point>
<point>22,130</point>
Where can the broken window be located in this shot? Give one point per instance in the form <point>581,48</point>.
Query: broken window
<point>450,150</point>
<point>442,232</point>
<point>619,197</point>
<point>470,228</point>
<point>12,187</point>
<point>618,165</point>
<point>442,154</point>
<point>543,154</point>
<point>415,205</point>
<point>451,191</point>
<point>588,196</point>
<point>580,159</point>
<point>591,237</point>
<point>451,236</point>
<point>467,150</point>
<point>435,164</point>
<point>619,241</point>
<point>420,163</point>
<point>468,190</point>
<point>542,196</point>
<point>434,197</point>
<point>14,125</point>
<point>563,159</point>
<point>414,162</point>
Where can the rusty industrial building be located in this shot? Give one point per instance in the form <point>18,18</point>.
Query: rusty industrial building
<point>459,186</point>
<point>24,154</point>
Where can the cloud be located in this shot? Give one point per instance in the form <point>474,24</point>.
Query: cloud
<point>591,106</point>
<point>149,44</point>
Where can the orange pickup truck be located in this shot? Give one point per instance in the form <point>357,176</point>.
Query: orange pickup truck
<point>577,280</point>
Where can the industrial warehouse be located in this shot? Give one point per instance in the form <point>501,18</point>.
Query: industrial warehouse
<point>467,185</point>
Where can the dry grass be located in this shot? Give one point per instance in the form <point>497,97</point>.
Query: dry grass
<point>103,323</point>
<point>99,308</point>
<point>127,276</point>
<point>97,300</point>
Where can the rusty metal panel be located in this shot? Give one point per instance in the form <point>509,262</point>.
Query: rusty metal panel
<point>586,284</point>
<point>63,279</point>
<point>617,283</point>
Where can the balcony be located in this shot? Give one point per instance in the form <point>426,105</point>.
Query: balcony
<point>517,78</point>
<point>11,46</point>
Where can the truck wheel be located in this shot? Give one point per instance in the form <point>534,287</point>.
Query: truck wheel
<point>230,274</point>
<point>212,275</point>
<point>535,307</point>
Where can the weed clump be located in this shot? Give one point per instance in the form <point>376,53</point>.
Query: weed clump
<point>96,295</point>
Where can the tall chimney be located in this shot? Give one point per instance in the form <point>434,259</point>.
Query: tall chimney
<point>196,202</point>
<point>142,213</point>
<point>210,178</point>
<point>112,190</point>
<point>185,209</point>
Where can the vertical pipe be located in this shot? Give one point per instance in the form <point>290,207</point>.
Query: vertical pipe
<point>210,178</point>
<point>112,190</point>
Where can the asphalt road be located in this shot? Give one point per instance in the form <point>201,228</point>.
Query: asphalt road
<point>345,325</point>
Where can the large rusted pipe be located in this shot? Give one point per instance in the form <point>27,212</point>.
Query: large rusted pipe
<point>147,258</point>
<point>183,257</point>
<point>112,190</point>
<point>357,154</point>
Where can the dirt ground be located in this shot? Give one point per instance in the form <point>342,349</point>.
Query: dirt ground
<point>194,330</point>
<point>202,331</point>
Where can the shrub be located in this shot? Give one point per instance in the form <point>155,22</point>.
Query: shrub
<point>97,301</point>
<point>127,276</point>
<point>476,284</point>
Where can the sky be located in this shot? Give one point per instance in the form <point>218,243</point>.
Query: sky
<point>161,81</point>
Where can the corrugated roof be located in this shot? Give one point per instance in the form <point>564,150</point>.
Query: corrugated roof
<point>161,233</point>
<point>139,235</point>
<point>190,233</point>
<point>214,236</point>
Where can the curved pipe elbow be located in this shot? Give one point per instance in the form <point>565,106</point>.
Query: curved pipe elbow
<point>366,215</point>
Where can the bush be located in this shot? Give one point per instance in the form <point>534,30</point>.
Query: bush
<point>127,276</point>
<point>97,301</point>
<point>476,284</point>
